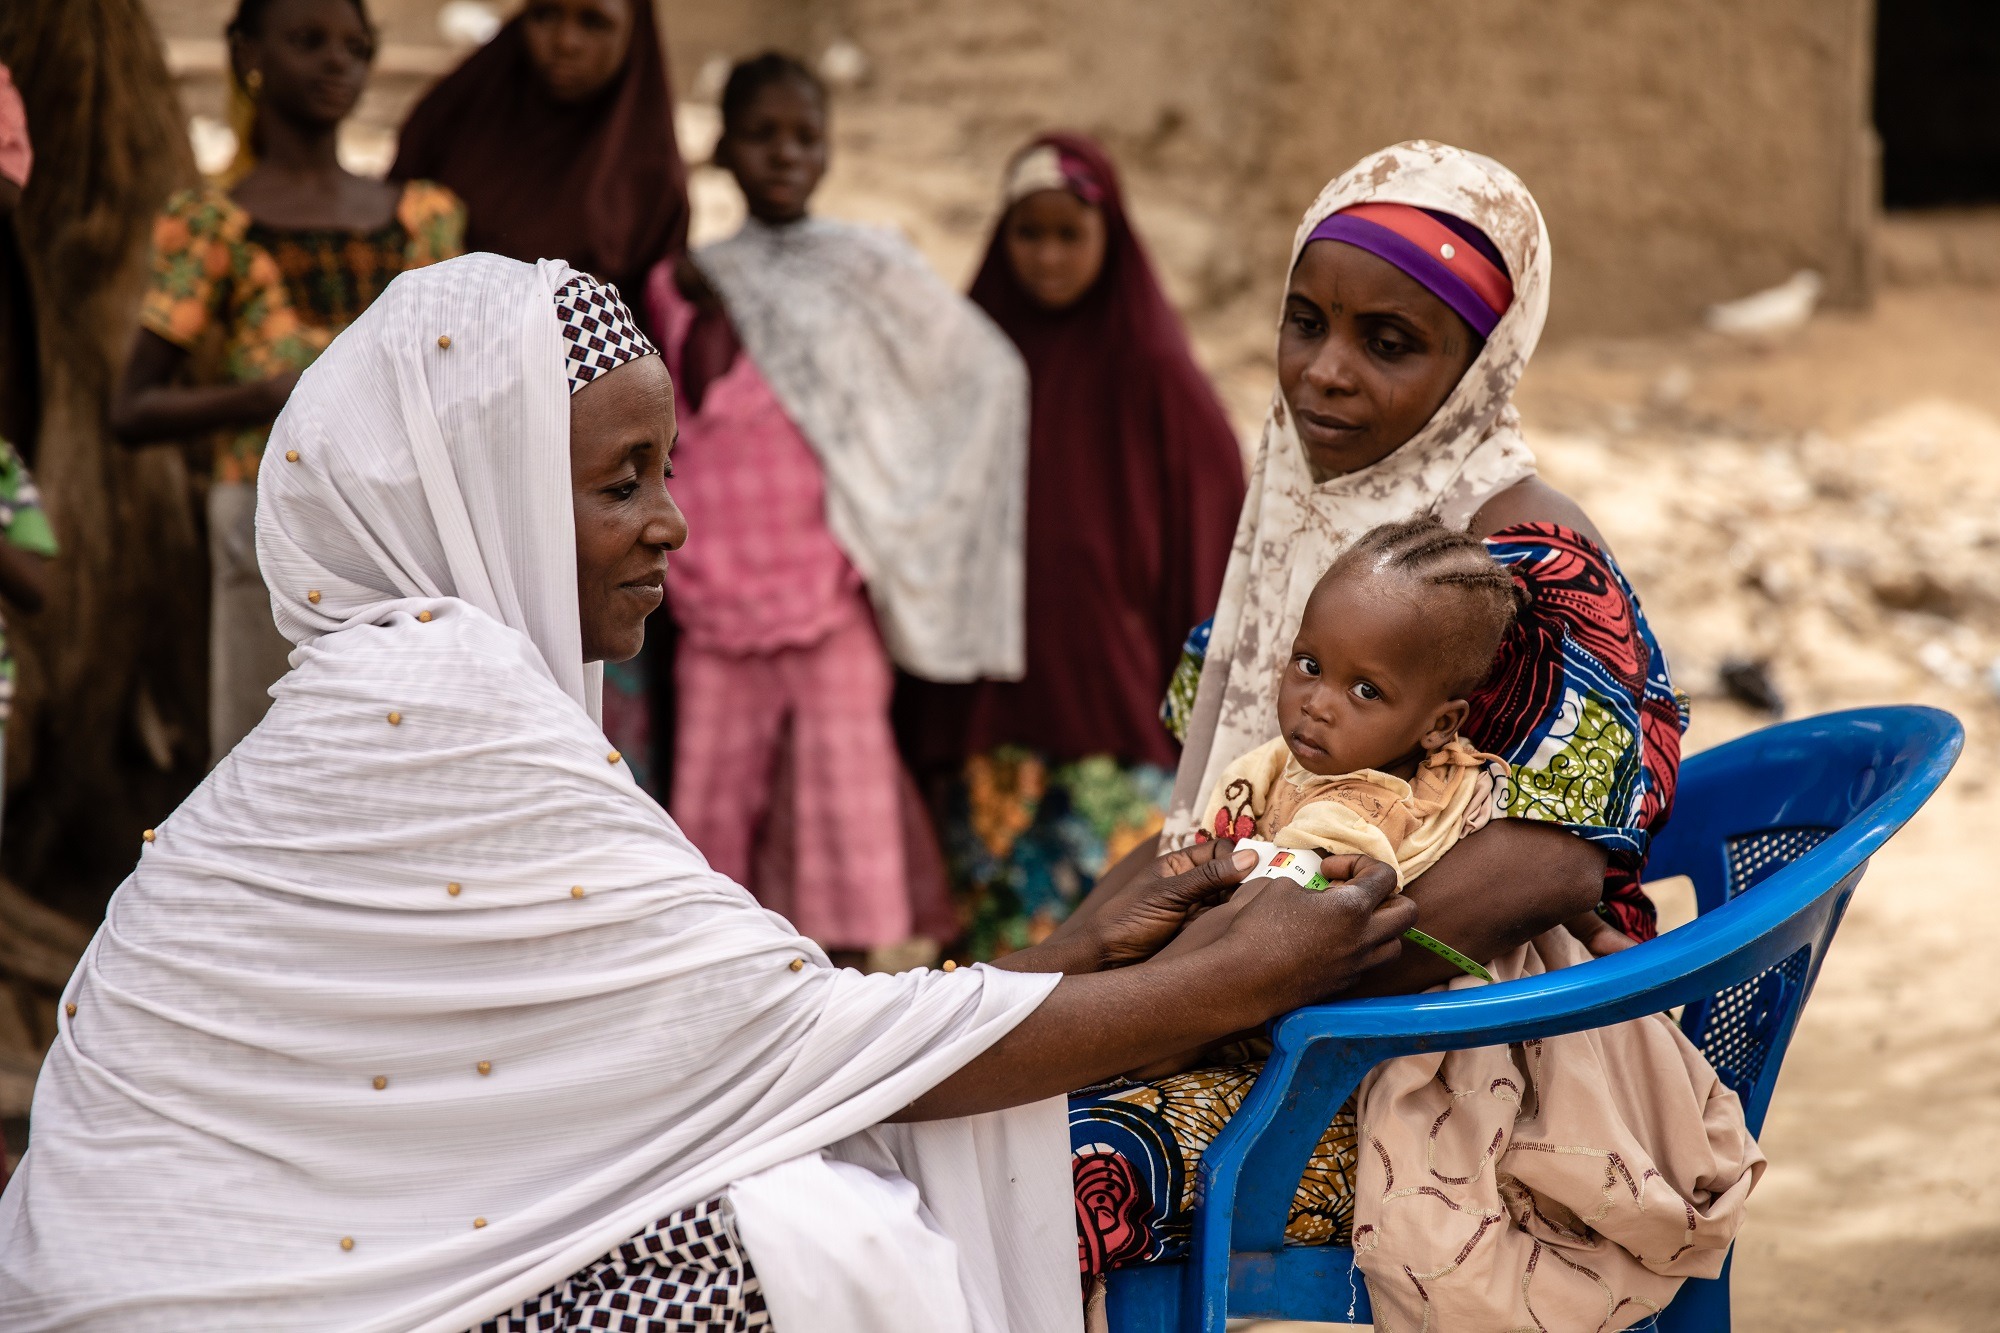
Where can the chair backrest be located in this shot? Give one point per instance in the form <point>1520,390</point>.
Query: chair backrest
<point>1753,808</point>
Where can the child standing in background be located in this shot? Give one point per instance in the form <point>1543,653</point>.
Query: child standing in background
<point>852,438</point>
<point>1135,480</point>
<point>252,276</point>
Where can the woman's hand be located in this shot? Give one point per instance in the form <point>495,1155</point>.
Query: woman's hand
<point>1300,946</point>
<point>1133,920</point>
<point>1149,909</point>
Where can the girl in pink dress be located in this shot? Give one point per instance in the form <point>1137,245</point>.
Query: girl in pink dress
<point>783,676</point>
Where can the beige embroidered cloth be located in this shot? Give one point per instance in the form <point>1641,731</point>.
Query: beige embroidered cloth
<point>1268,794</point>
<point>1570,1183</point>
<point>1293,525</point>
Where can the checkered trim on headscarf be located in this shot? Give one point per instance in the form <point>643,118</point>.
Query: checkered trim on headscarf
<point>598,331</point>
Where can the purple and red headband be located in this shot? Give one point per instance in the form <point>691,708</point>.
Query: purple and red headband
<point>1448,255</point>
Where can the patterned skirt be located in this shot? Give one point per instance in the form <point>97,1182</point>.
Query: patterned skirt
<point>687,1273</point>
<point>1136,1150</point>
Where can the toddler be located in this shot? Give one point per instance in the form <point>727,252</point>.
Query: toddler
<point>1368,758</point>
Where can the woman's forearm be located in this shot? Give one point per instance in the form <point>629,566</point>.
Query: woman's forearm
<point>1093,1026</point>
<point>1287,947</point>
<point>178,412</point>
<point>24,577</point>
<point>148,407</point>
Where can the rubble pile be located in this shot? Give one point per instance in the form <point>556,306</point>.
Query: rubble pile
<point>1856,568</point>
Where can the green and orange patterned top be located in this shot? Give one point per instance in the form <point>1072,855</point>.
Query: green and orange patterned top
<point>262,300</point>
<point>24,524</point>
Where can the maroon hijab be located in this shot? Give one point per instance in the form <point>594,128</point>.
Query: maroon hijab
<point>1134,484</point>
<point>599,183</point>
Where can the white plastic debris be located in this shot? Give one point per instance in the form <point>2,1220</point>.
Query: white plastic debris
<point>468,22</point>
<point>1773,311</point>
<point>843,64</point>
<point>214,144</point>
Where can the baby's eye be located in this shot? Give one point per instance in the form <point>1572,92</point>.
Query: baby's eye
<point>1308,666</point>
<point>1363,690</point>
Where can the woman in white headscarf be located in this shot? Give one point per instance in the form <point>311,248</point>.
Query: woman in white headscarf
<point>419,1014</point>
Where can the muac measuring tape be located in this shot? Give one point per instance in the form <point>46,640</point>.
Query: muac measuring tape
<point>1302,868</point>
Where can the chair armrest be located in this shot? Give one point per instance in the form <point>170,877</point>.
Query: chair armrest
<point>1322,1052</point>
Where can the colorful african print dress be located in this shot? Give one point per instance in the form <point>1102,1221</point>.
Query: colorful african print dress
<point>1584,715</point>
<point>249,301</point>
<point>252,301</point>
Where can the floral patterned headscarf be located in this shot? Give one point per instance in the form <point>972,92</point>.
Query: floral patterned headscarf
<point>1292,527</point>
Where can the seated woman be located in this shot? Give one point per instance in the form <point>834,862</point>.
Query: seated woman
<point>1398,356</point>
<point>419,1013</point>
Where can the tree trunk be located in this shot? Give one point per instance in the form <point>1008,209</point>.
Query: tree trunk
<point>109,729</point>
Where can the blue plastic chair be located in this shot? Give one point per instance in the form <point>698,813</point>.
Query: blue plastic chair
<point>1792,812</point>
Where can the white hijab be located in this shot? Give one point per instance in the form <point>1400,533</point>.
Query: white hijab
<point>917,406</point>
<point>418,1004</point>
<point>1292,527</point>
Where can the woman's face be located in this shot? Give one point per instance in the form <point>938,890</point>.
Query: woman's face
<point>621,433</point>
<point>312,58</point>
<point>776,148</point>
<point>577,46</point>
<point>1366,356</point>
<point>1055,243</point>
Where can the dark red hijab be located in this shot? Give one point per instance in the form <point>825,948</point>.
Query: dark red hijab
<point>599,183</point>
<point>1134,484</point>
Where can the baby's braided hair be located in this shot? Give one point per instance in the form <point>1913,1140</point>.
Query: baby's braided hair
<point>1458,565</point>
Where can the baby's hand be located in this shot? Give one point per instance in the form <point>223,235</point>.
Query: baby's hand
<point>1598,935</point>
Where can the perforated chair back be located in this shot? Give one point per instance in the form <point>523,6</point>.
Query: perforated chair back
<point>1774,829</point>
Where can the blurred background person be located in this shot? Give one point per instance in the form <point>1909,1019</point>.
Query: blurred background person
<point>1134,483</point>
<point>26,539</point>
<point>17,154</point>
<point>559,136</point>
<point>252,276</point>
<point>850,464</point>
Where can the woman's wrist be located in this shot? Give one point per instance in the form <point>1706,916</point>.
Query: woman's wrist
<point>1072,954</point>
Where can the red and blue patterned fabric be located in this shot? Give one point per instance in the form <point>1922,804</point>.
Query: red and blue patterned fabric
<point>1582,709</point>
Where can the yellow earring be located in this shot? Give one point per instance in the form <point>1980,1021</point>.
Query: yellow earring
<point>254,82</point>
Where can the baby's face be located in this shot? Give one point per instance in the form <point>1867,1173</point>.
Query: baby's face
<point>1364,688</point>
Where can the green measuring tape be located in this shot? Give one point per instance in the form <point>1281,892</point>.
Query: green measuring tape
<point>1319,884</point>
